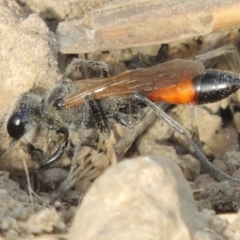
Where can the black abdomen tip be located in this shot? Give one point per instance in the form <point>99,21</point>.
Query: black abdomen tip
<point>216,85</point>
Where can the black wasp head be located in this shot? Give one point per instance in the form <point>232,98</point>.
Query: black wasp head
<point>21,121</point>
<point>16,125</point>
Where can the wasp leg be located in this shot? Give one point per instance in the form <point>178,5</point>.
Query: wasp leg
<point>79,63</point>
<point>229,51</point>
<point>93,116</point>
<point>127,112</point>
<point>213,170</point>
<point>52,159</point>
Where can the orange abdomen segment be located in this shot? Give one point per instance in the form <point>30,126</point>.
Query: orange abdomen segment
<point>182,93</point>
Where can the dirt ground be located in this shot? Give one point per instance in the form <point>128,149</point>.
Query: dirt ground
<point>93,191</point>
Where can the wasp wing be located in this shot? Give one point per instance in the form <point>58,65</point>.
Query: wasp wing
<point>142,81</point>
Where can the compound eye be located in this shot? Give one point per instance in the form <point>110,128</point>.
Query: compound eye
<point>16,125</point>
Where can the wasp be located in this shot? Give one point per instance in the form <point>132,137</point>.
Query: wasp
<point>90,103</point>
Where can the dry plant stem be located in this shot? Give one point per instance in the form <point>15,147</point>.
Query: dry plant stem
<point>125,24</point>
<point>92,174</point>
<point>79,155</point>
<point>29,184</point>
<point>122,146</point>
<point>84,168</point>
<point>111,151</point>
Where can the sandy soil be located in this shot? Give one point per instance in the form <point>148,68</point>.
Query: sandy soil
<point>168,195</point>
